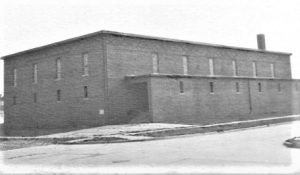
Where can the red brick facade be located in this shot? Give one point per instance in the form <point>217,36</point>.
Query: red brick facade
<point>121,84</point>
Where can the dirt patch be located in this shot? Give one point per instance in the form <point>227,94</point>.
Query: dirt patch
<point>96,140</point>
<point>16,144</point>
<point>9,144</point>
<point>120,161</point>
<point>30,155</point>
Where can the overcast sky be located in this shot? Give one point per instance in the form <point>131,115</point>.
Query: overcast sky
<point>30,23</point>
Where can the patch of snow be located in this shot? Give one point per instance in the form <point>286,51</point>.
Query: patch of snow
<point>117,129</point>
<point>129,137</point>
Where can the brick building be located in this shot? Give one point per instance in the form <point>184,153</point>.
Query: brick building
<point>110,78</point>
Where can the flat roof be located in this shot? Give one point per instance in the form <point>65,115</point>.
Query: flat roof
<point>143,37</point>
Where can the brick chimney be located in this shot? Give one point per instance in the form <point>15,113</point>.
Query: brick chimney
<point>261,44</point>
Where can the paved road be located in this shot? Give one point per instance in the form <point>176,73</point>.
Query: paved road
<point>252,150</point>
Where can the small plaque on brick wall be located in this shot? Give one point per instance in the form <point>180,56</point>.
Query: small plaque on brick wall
<point>101,111</point>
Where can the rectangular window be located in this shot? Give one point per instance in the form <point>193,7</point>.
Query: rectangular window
<point>185,65</point>
<point>234,68</point>
<point>259,87</point>
<point>85,66</point>
<point>211,67</point>
<point>85,89</point>
<point>58,69</point>
<point>211,87</point>
<point>296,87</point>
<point>34,97</point>
<point>14,100</point>
<point>272,70</point>
<point>58,95</point>
<point>34,73</point>
<point>254,70</point>
<point>155,63</point>
<point>15,77</point>
<point>237,87</point>
<point>181,86</point>
<point>279,87</point>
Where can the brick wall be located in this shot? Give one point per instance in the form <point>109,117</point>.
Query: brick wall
<point>198,105</point>
<point>296,97</point>
<point>133,56</point>
<point>73,110</point>
<point>123,59</point>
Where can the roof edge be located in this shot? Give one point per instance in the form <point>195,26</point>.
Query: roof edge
<point>158,75</point>
<point>193,42</point>
<point>143,37</point>
<point>53,44</point>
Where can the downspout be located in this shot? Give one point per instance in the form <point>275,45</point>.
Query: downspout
<point>249,97</point>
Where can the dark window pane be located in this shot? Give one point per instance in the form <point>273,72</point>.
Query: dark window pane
<point>35,97</point>
<point>181,87</point>
<point>14,100</point>
<point>237,87</point>
<point>85,92</point>
<point>259,87</point>
<point>58,95</point>
<point>211,86</point>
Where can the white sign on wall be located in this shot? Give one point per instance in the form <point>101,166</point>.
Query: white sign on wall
<point>101,111</point>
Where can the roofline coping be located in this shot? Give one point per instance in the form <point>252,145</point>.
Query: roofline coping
<point>143,37</point>
<point>204,76</point>
<point>193,42</point>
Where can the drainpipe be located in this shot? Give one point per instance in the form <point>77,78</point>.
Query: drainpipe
<point>249,97</point>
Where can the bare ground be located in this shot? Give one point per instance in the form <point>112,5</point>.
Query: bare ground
<point>16,144</point>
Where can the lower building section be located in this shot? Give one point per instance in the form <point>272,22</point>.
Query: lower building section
<point>28,120</point>
<point>50,114</point>
<point>207,100</point>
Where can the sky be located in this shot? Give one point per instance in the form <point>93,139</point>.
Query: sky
<point>31,23</point>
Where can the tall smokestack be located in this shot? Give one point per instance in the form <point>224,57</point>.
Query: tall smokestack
<point>261,42</point>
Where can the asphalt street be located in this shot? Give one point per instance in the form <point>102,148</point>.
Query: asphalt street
<point>254,150</point>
